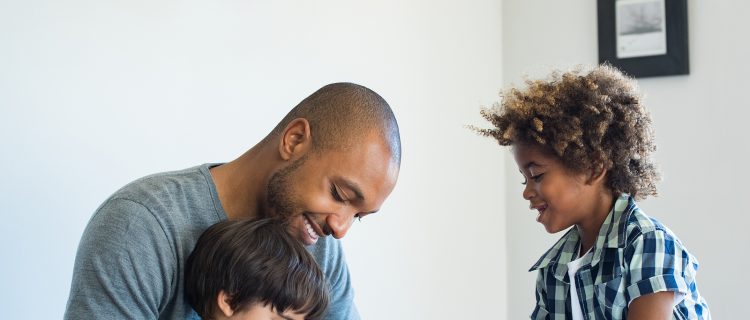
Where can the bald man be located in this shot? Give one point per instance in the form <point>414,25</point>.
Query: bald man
<point>334,158</point>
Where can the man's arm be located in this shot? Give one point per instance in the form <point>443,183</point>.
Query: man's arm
<point>124,267</point>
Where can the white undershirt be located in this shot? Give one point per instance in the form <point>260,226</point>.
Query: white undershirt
<point>573,267</point>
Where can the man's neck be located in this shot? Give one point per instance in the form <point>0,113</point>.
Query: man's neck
<point>241,184</point>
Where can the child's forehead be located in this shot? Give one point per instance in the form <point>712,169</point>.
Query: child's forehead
<point>532,154</point>
<point>533,158</point>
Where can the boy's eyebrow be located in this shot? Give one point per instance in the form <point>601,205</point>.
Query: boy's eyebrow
<point>530,164</point>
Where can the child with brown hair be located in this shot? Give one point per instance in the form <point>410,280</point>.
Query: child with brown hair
<point>253,270</point>
<point>583,141</point>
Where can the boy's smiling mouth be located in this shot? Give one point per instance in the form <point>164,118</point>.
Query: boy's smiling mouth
<point>540,208</point>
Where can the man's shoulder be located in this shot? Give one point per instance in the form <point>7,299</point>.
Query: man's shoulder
<point>181,203</point>
<point>137,241</point>
<point>161,184</point>
<point>169,191</point>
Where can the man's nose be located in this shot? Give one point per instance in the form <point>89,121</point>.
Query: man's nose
<point>339,223</point>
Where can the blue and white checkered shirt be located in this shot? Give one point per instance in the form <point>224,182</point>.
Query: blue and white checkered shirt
<point>634,255</point>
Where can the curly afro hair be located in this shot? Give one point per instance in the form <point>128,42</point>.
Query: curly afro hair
<point>590,120</point>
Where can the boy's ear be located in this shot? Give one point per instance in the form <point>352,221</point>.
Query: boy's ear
<point>296,139</point>
<point>223,302</point>
<point>597,175</point>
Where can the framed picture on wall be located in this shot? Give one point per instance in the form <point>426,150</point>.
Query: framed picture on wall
<point>644,38</point>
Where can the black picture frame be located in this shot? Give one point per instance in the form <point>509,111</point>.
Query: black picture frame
<point>674,62</point>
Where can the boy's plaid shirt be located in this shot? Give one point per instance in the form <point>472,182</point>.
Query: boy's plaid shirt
<point>634,255</point>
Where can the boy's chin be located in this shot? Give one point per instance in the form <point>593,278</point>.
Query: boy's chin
<point>552,229</point>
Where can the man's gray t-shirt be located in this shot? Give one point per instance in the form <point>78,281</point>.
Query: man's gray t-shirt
<point>131,256</point>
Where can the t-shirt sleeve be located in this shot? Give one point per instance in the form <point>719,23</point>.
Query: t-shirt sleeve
<point>125,266</point>
<point>657,262</point>
<point>332,261</point>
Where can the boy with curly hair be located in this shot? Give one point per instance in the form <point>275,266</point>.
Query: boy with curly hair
<point>583,141</point>
<point>253,270</point>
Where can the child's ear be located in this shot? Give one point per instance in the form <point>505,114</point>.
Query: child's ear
<point>597,175</point>
<point>223,302</point>
<point>295,139</point>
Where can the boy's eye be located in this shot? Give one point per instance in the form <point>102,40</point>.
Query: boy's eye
<point>536,179</point>
<point>358,217</point>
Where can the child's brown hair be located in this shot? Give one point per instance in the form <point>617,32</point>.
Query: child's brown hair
<point>254,261</point>
<point>590,120</point>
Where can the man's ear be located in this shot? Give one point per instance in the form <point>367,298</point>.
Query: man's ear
<point>296,139</point>
<point>223,302</point>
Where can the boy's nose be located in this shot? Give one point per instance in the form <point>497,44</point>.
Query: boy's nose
<point>528,192</point>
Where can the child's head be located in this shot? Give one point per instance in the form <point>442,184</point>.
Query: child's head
<point>590,121</point>
<point>579,139</point>
<point>243,268</point>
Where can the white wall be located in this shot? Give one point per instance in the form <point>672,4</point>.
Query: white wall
<point>700,122</point>
<point>95,94</point>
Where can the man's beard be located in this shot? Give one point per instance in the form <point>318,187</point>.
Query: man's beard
<point>279,198</point>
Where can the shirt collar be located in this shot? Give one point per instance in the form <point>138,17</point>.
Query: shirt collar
<point>611,235</point>
<point>563,252</point>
